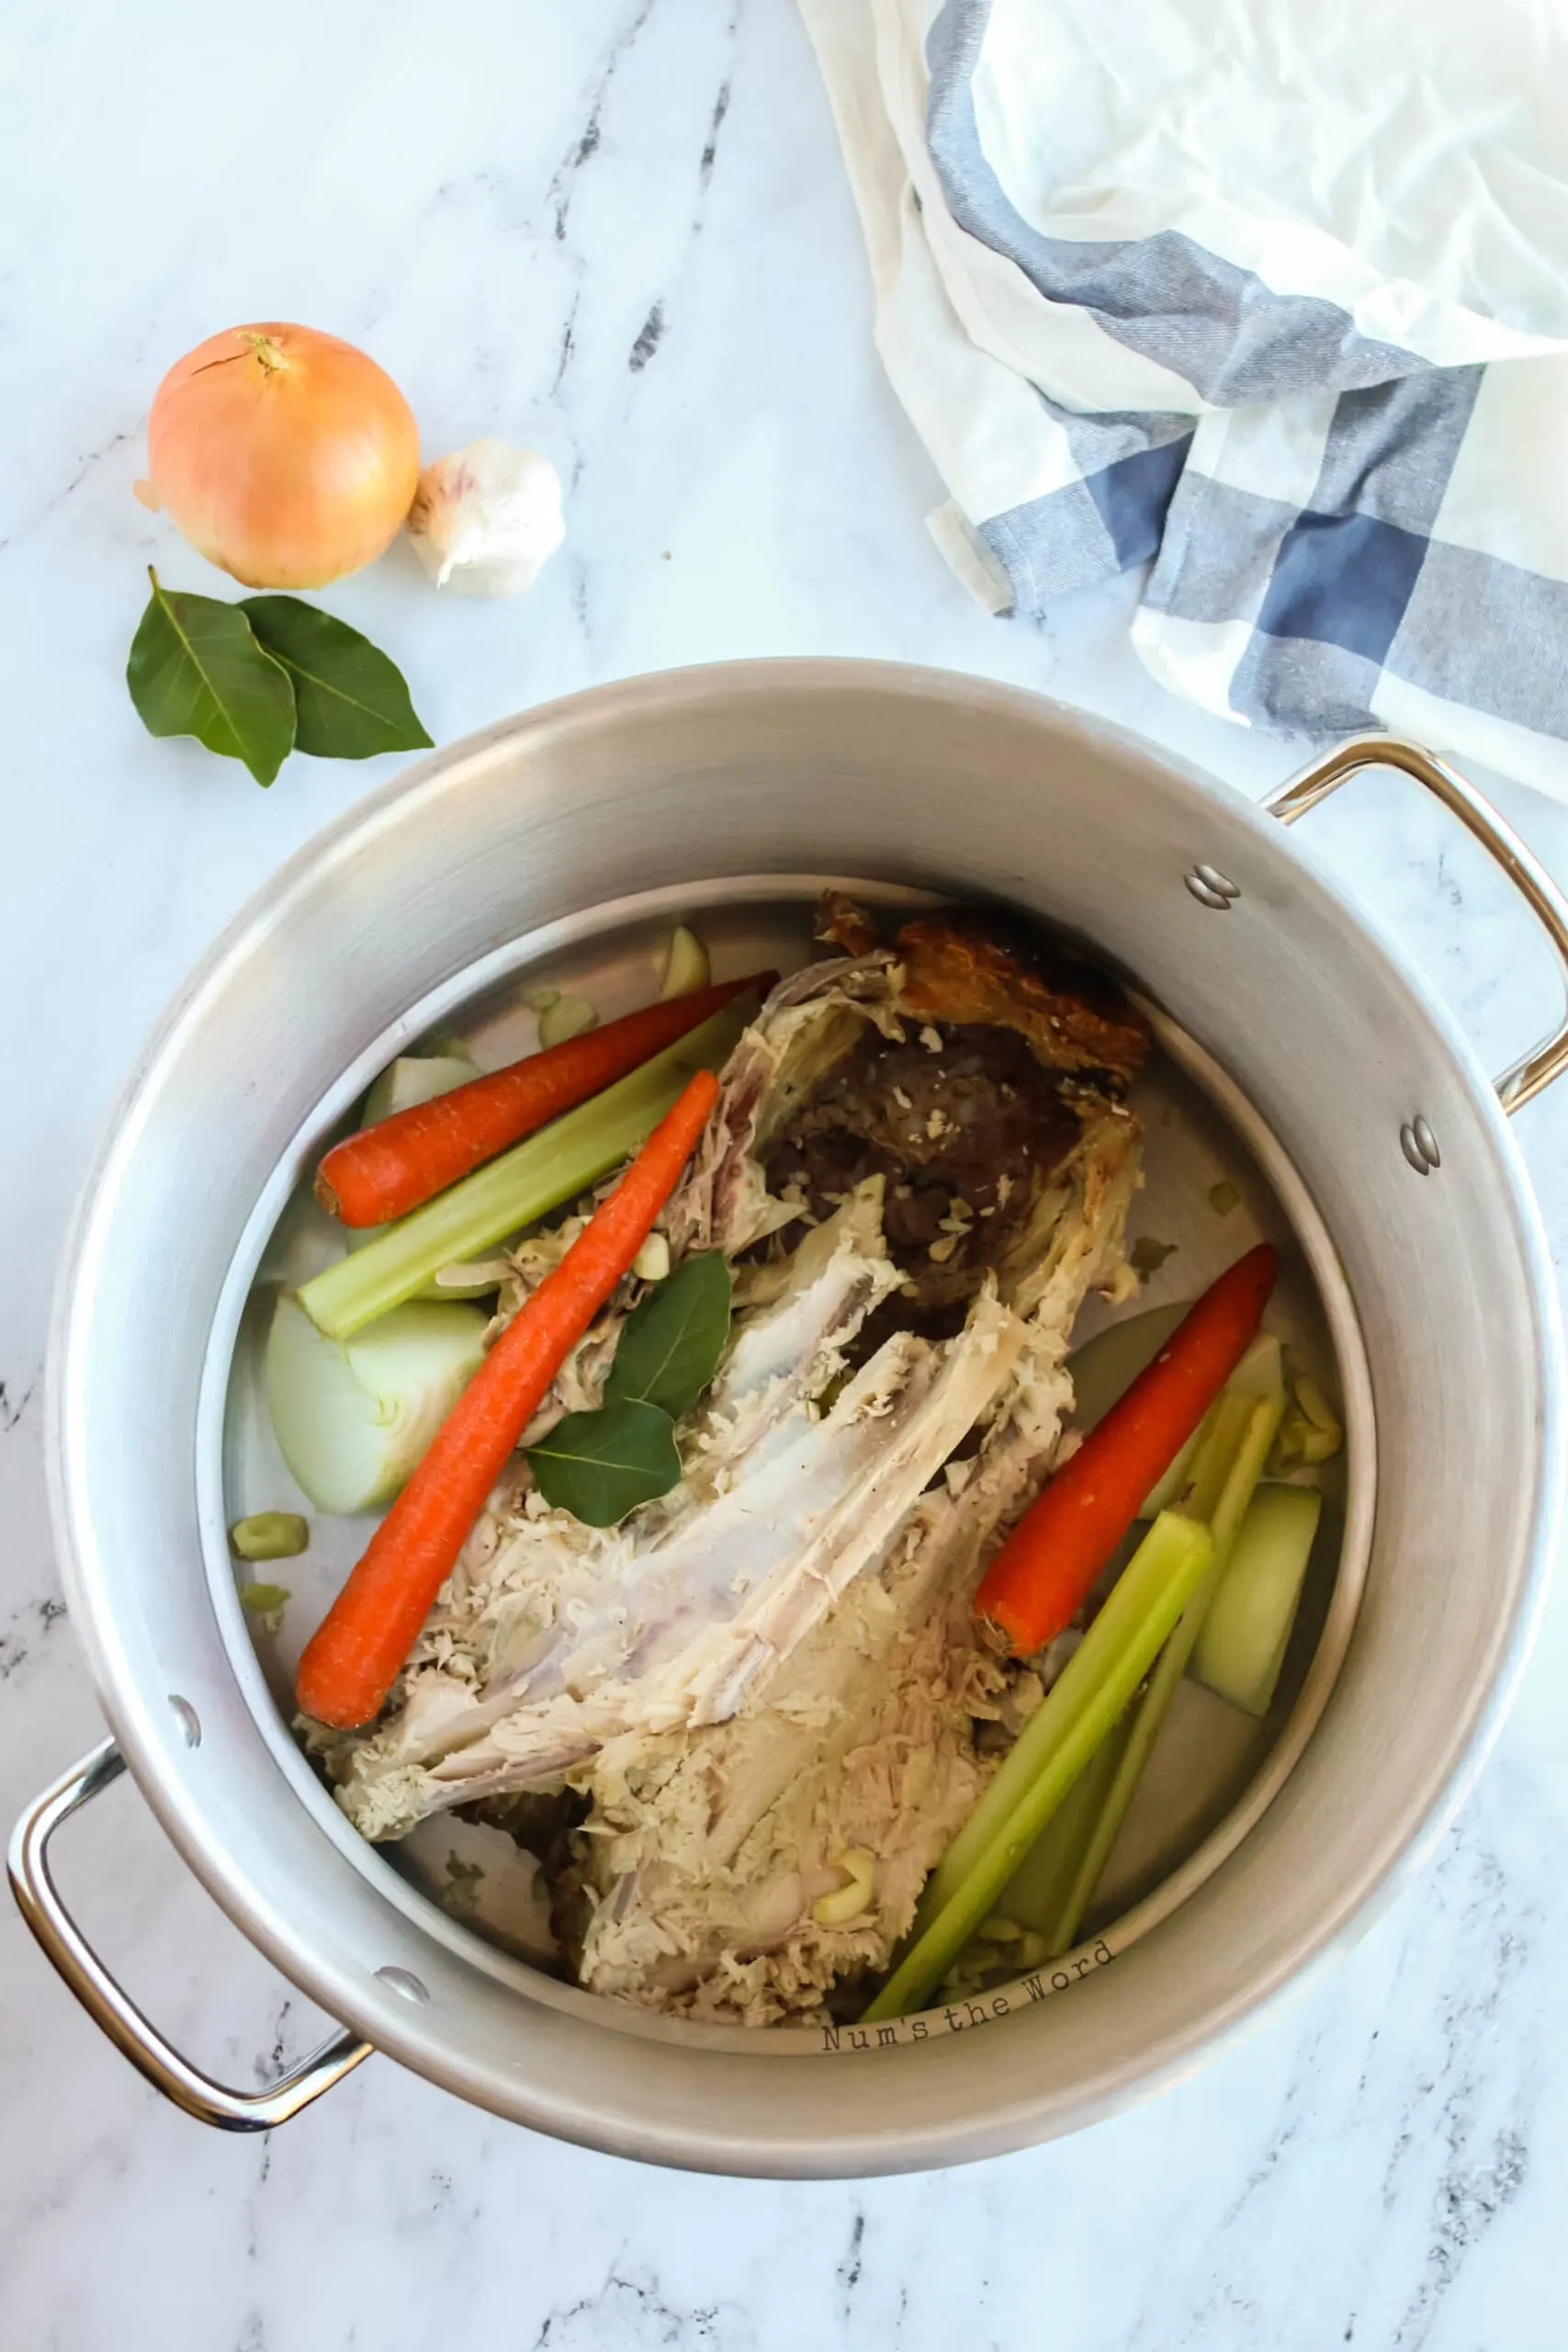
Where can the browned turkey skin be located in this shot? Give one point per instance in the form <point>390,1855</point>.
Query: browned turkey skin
<point>967,1112</point>
<point>958,1125</point>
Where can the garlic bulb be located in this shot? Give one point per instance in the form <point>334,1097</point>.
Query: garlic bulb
<point>486,519</point>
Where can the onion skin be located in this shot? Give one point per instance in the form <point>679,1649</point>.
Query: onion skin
<point>284,456</point>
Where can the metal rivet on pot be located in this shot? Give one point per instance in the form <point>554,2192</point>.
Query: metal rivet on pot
<point>186,1717</point>
<point>1419,1146</point>
<point>404,1981</point>
<point>1211,888</point>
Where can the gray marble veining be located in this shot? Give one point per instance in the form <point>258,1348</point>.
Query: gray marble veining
<point>620,231</point>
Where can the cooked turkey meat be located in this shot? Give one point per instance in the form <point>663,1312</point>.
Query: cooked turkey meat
<point>919,1164</point>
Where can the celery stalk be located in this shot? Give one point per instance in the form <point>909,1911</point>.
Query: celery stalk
<point>534,1176</point>
<point>1147,1722</point>
<point>1222,1440</point>
<point>1225,1513</point>
<point>1040,1893</point>
<point>1079,1839</point>
<point>1217,1442</point>
<point>1079,1712</point>
<point>1244,1635</point>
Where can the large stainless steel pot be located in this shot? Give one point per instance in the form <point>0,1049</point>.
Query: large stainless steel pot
<point>859,769</point>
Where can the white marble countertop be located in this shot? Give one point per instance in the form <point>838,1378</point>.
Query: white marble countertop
<point>619,230</point>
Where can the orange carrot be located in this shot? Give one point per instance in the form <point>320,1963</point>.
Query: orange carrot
<point>386,1170</point>
<point>1043,1575</point>
<point>354,1656</point>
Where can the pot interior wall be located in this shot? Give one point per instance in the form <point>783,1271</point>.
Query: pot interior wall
<point>940,783</point>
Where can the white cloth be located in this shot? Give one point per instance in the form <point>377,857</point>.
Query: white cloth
<point>1271,295</point>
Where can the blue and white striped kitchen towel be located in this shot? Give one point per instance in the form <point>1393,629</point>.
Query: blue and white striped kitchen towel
<point>1270,295</point>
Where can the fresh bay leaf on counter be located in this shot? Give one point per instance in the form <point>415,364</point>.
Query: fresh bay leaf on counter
<point>669,1350</point>
<point>195,668</point>
<point>600,1465</point>
<point>351,701</point>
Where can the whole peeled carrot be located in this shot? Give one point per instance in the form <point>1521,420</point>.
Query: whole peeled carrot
<point>1043,1573</point>
<point>391,1168</point>
<point>353,1658</point>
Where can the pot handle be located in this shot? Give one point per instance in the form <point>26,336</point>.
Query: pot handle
<point>111,2009</point>
<point>1547,1060</point>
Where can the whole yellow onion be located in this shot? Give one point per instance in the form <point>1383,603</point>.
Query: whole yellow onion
<point>284,456</point>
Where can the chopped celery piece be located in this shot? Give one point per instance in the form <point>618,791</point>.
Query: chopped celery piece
<point>533,1177</point>
<point>1231,1481</point>
<point>1079,1712</point>
<point>417,1078</point>
<point>265,1600</point>
<point>270,1535</point>
<point>685,964</point>
<point>1242,1644</point>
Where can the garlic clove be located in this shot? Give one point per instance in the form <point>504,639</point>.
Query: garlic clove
<point>487,519</point>
<point>651,1263</point>
<point>857,1872</point>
